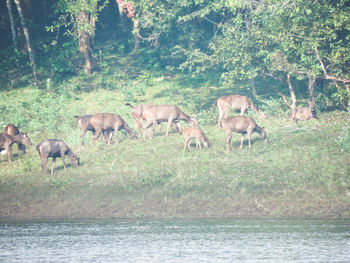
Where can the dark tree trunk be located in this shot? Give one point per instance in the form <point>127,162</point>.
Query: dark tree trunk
<point>27,38</point>
<point>84,42</point>
<point>12,22</point>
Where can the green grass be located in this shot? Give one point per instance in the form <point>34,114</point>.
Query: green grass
<point>302,170</point>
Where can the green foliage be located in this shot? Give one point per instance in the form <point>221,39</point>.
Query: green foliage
<point>37,110</point>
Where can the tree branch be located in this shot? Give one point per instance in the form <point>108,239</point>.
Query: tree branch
<point>326,76</point>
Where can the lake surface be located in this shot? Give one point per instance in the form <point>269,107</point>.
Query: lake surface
<point>176,241</point>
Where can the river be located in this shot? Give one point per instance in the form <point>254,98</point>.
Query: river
<point>164,241</point>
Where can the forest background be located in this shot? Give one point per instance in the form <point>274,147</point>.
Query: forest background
<point>61,58</point>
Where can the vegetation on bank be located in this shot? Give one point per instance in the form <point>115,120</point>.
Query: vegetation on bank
<point>301,171</point>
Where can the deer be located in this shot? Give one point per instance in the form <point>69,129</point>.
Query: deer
<point>194,133</point>
<point>153,114</point>
<point>243,125</point>
<point>109,122</point>
<point>304,113</point>
<point>13,130</point>
<point>6,142</point>
<point>56,148</point>
<point>238,103</point>
<point>137,114</point>
<point>85,125</point>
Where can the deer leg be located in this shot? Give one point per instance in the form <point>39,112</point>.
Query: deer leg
<point>53,164</point>
<point>9,153</point>
<point>109,137</point>
<point>43,164</point>
<point>222,109</point>
<point>116,135</point>
<point>170,121</point>
<point>64,161</point>
<point>228,141</point>
<point>97,134</point>
<point>186,143</point>
<point>249,138</point>
<point>242,140</point>
<point>177,127</point>
<point>82,136</point>
<point>189,143</point>
<point>147,125</point>
<point>198,144</point>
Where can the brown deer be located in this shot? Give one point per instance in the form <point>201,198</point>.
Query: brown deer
<point>154,114</point>
<point>85,125</point>
<point>242,125</point>
<point>304,113</point>
<point>137,114</point>
<point>109,122</point>
<point>55,148</point>
<point>238,103</point>
<point>11,129</point>
<point>194,133</point>
<point>6,142</point>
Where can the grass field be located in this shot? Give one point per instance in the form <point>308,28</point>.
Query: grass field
<point>301,171</point>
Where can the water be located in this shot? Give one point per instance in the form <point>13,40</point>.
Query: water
<point>192,241</point>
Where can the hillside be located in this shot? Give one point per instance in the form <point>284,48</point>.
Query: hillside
<point>301,171</point>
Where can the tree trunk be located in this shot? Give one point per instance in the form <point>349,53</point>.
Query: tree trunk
<point>84,42</point>
<point>292,93</point>
<point>312,84</point>
<point>293,106</point>
<point>27,38</point>
<point>12,22</point>
<point>136,24</point>
<point>26,7</point>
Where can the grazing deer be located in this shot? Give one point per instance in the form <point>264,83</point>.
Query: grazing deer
<point>242,125</point>
<point>194,133</point>
<point>85,125</point>
<point>304,113</point>
<point>6,142</point>
<point>55,148</point>
<point>109,122</point>
<point>11,129</point>
<point>154,114</point>
<point>238,103</point>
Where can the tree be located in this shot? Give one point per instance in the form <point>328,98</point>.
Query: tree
<point>12,23</point>
<point>80,17</point>
<point>307,39</point>
<point>27,37</point>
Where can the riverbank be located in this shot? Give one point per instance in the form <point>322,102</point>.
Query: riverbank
<point>301,171</point>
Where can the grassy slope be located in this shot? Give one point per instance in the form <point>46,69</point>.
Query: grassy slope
<point>302,171</point>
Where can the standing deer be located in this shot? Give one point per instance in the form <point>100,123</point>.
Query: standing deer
<point>85,125</point>
<point>238,103</point>
<point>6,142</point>
<point>154,114</point>
<point>55,148</point>
<point>242,125</point>
<point>194,133</point>
<point>109,122</point>
<point>137,114</point>
<point>11,129</point>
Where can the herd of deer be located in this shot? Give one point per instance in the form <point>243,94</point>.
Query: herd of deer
<point>146,117</point>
